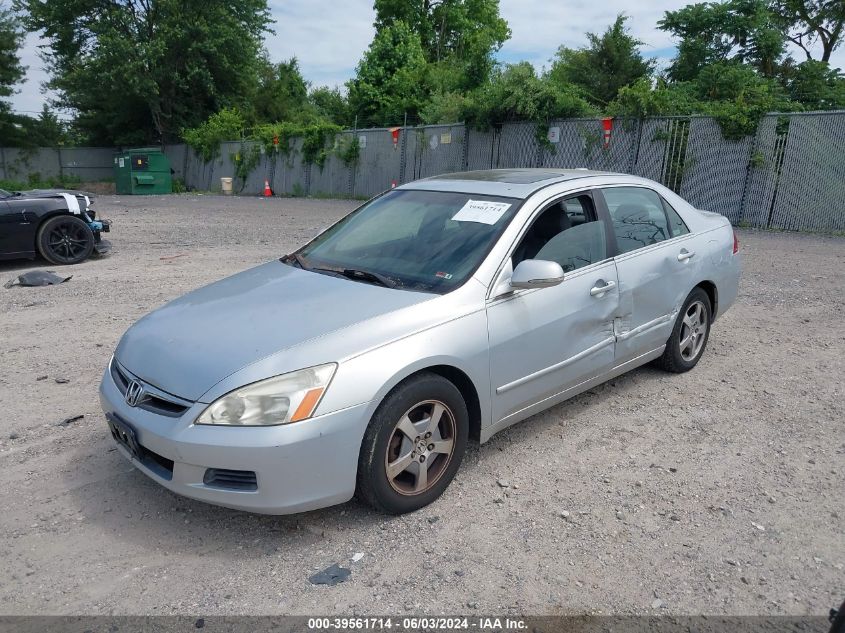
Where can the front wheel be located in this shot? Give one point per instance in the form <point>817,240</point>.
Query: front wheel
<point>65,239</point>
<point>414,445</point>
<point>689,336</point>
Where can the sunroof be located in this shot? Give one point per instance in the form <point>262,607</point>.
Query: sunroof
<point>515,176</point>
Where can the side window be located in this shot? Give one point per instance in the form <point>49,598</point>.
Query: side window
<point>638,217</point>
<point>568,233</point>
<point>675,222</point>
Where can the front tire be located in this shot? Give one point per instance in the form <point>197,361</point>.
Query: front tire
<point>414,445</point>
<point>685,346</point>
<point>65,239</point>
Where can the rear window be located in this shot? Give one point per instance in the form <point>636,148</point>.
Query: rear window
<point>638,217</point>
<point>676,224</point>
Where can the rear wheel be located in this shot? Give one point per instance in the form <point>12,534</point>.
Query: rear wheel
<point>414,445</point>
<point>689,336</point>
<point>65,239</point>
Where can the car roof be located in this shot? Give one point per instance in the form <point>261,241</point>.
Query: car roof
<point>513,183</point>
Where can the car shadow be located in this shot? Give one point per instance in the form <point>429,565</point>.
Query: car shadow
<point>13,265</point>
<point>123,501</point>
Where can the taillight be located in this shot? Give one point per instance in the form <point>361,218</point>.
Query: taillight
<point>736,243</point>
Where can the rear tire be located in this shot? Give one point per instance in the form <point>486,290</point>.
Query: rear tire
<point>64,240</point>
<point>686,345</point>
<point>413,445</point>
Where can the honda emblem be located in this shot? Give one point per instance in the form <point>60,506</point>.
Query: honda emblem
<point>134,393</point>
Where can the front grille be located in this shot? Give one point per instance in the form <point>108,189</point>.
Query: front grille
<point>120,380</point>
<point>162,406</point>
<point>160,465</point>
<point>151,402</point>
<point>230,479</point>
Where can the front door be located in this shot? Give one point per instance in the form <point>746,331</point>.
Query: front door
<point>544,341</point>
<point>17,228</point>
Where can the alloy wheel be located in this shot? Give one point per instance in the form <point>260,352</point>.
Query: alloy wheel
<point>67,240</point>
<point>420,447</point>
<point>693,331</point>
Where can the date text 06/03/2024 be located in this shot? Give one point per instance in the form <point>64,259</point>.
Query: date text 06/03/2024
<point>416,624</point>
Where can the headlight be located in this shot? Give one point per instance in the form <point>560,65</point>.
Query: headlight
<point>287,398</point>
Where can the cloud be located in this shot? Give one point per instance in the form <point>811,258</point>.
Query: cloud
<point>31,96</point>
<point>328,38</point>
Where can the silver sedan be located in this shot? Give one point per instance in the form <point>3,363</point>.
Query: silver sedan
<point>443,310</point>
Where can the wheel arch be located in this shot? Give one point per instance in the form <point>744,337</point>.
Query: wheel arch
<point>713,294</point>
<point>455,375</point>
<point>43,218</point>
<point>468,392</point>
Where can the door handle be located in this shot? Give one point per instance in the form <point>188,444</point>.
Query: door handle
<point>595,291</point>
<point>684,255</point>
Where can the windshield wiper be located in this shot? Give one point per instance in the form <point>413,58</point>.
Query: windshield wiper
<point>367,275</point>
<point>359,275</point>
<point>349,273</point>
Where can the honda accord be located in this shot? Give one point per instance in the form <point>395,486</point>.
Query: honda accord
<point>444,310</point>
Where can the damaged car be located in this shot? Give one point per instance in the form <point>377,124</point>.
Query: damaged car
<point>446,309</point>
<point>58,224</point>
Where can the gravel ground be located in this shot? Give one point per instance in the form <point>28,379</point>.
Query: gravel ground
<point>714,492</point>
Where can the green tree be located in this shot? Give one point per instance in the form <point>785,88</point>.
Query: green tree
<point>735,94</point>
<point>746,31</point>
<point>459,35</point>
<point>815,85</point>
<point>206,138</point>
<point>47,130</point>
<point>11,72</point>
<point>808,22</point>
<point>447,107</point>
<point>609,62</point>
<point>282,93</point>
<point>516,93</point>
<point>332,105</point>
<point>642,99</point>
<point>11,37</point>
<point>390,80</point>
<point>141,70</point>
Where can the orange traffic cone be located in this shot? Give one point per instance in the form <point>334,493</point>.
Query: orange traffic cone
<point>268,193</point>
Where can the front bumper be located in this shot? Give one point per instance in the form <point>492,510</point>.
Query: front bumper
<point>298,467</point>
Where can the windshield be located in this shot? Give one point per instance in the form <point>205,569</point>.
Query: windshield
<point>5,194</point>
<point>418,240</point>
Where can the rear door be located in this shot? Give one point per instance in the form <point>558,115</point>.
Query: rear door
<point>545,340</point>
<point>657,265</point>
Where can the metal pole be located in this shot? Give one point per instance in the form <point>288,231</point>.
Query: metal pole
<point>404,152</point>
<point>354,166</point>
<point>465,158</point>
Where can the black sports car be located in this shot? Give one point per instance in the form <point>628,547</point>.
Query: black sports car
<point>57,224</point>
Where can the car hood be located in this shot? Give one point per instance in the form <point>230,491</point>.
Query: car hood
<point>54,193</point>
<point>190,344</point>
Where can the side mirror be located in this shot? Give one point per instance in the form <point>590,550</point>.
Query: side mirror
<point>536,273</point>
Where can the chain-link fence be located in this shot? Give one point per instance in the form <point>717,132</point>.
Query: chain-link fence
<point>789,175</point>
<point>84,164</point>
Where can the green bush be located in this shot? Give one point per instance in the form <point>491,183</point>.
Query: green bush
<point>35,181</point>
<point>317,139</point>
<point>206,138</point>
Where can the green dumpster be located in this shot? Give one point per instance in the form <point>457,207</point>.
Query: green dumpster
<point>145,170</point>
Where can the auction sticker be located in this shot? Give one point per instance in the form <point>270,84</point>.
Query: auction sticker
<point>481,211</point>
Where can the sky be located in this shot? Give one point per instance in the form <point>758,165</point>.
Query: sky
<point>328,38</point>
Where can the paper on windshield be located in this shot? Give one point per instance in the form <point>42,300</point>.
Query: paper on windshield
<point>481,211</point>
